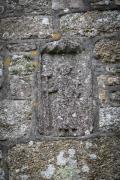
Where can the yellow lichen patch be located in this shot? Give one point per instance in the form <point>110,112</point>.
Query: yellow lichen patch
<point>108,51</point>
<point>34,53</point>
<point>103,96</point>
<point>35,63</point>
<point>35,103</point>
<point>113,80</point>
<point>56,36</point>
<point>8,61</point>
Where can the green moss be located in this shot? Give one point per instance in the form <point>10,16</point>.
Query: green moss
<point>66,173</point>
<point>27,57</point>
<point>23,66</point>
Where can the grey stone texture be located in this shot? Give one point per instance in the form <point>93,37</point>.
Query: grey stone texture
<point>15,118</point>
<point>66,85</point>
<point>25,27</point>
<point>67,159</point>
<point>17,8</point>
<point>59,90</point>
<point>91,24</point>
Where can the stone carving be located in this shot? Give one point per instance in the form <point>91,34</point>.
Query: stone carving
<point>66,89</point>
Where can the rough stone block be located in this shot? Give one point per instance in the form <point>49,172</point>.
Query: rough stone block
<point>67,159</point>
<point>114,95</point>
<point>21,48</point>
<point>91,24</point>
<point>117,2</point>
<point>108,88</point>
<point>21,65</point>
<point>103,96</point>
<point>109,118</point>
<point>25,27</point>
<point>79,4</point>
<point>108,51</point>
<point>12,8</point>
<point>113,80</point>
<point>58,4</point>
<point>2,172</point>
<point>21,70</point>
<point>113,69</point>
<point>20,87</point>
<point>66,89</point>
<point>61,4</point>
<point>15,118</point>
<point>84,5</point>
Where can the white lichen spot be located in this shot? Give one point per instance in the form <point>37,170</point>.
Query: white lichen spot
<point>85,168</point>
<point>93,156</point>
<point>74,115</point>
<point>17,170</point>
<point>45,21</point>
<point>61,160</point>
<point>66,10</point>
<point>60,118</point>
<point>6,35</point>
<point>24,177</point>
<point>0,154</point>
<point>107,2</point>
<point>49,172</point>
<point>71,153</point>
<point>87,132</point>
<point>23,128</point>
<point>75,134</point>
<point>15,56</point>
<point>31,143</point>
<point>1,72</point>
<point>88,145</point>
<point>69,160</point>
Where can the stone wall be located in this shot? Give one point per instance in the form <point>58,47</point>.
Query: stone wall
<point>59,89</point>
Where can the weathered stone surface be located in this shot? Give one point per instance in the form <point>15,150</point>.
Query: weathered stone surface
<point>66,90</point>
<point>113,69</point>
<point>58,4</point>
<point>21,47</point>
<point>21,72</point>
<point>108,89</point>
<point>2,173</point>
<point>14,7</point>
<point>21,65</point>
<point>84,5</point>
<point>64,46</point>
<point>115,97</point>
<point>61,4</point>
<point>67,159</point>
<point>20,87</point>
<point>102,3</point>
<point>108,51</point>
<point>15,118</point>
<point>25,27</point>
<point>109,118</point>
<point>117,2</point>
<point>75,89</point>
<point>91,24</point>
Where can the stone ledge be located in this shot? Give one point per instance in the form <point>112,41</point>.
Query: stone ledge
<point>90,24</point>
<point>25,27</point>
<point>15,118</point>
<point>14,8</point>
<point>67,159</point>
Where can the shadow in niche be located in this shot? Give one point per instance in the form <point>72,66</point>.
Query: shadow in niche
<point>66,132</point>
